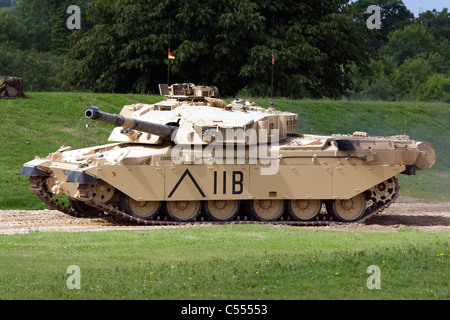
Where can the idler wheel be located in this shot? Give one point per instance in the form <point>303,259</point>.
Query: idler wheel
<point>221,210</point>
<point>347,210</point>
<point>267,209</point>
<point>140,209</point>
<point>84,209</point>
<point>182,211</point>
<point>304,210</point>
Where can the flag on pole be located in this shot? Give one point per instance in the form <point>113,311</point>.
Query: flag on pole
<point>273,58</point>
<point>171,56</point>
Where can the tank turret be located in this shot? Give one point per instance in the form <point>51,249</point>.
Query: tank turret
<point>198,118</point>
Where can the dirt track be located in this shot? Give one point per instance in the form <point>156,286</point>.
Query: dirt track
<point>433,217</point>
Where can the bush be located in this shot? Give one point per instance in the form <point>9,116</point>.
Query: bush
<point>437,88</point>
<point>40,71</point>
<point>408,78</point>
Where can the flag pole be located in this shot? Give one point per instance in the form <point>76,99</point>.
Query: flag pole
<point>168,71</point>
<point>168,64</point>
<point>271,85</point>
<point>273,57</point>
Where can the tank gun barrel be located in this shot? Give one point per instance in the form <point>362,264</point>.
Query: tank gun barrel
<point>118,120</point>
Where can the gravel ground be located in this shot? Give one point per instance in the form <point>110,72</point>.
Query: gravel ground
<point>433,217</point>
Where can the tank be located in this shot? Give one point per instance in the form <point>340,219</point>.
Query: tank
<point>193,157</point>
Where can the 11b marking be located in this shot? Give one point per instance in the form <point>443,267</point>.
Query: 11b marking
<point>237,182</point>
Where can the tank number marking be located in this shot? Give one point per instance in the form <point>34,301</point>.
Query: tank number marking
<point>186,173</point>
<point>237,182</point>
<point>236,179</point>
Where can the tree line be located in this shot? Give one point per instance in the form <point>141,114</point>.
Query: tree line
<point>321,49</point>
<point>412,60</point>
<point>34,42</point>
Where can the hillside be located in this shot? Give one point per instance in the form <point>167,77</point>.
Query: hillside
<point>43,122</point>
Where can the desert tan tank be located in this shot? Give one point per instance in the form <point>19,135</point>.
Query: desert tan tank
<point>194,157</point>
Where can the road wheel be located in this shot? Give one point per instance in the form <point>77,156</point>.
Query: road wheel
<point>347,210</point>
<point>140,209</point>
<point>267,210</point>
<point>183,211</point>
<point>221,210</point>
<point>304,210</point>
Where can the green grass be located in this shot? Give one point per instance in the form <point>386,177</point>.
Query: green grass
<point>43,122</point>
<point>225,262</point>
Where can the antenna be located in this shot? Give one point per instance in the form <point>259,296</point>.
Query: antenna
<point>273,58</point>
<point>406,116</point>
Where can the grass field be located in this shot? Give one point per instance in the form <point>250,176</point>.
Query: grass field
<point>225,262</point>
<point>43,122</point>
<point>220,262</point>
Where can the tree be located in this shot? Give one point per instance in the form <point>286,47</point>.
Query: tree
<point>34,15</point>
<point>7,3</point>
<point>373,82</point>
<point>40,71</point>
<point>44,22</point>
<point>12,31</point>
<point>394,15</point>
<point>130,41</point>
<point>406,43</point>
<point>437,23</point>
<point>226,43</point>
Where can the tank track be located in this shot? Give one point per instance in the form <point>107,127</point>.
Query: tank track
<point>40,190</point>
<point>37,185</point>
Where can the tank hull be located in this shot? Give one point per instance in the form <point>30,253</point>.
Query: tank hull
<point>309,168</point>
